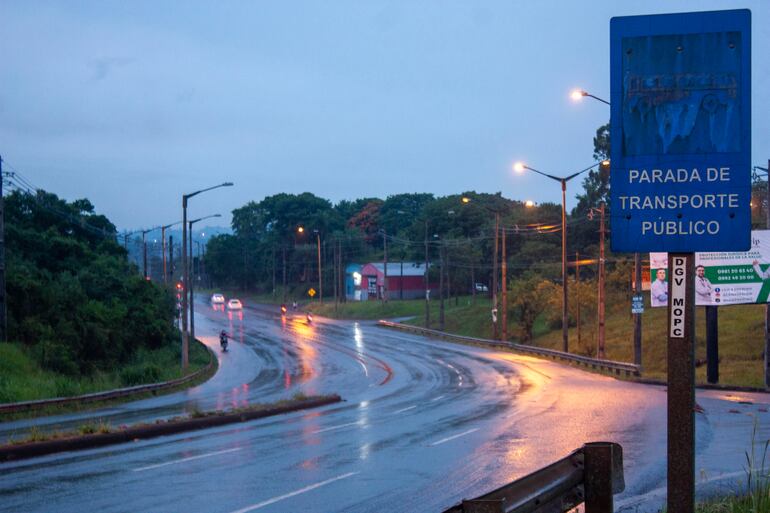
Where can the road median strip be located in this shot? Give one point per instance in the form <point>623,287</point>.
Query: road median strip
<point>102,434</point>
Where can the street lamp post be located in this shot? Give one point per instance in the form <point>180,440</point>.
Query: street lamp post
<point>520,167</point>
<point>301,230</point>
<point>186,277</point>
<point>192,271</point>
<point>320,270</point>
<point>144,251</point>
<point>163,236</point>
<point>467,200</point>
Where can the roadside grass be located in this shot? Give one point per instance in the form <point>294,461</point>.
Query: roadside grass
<point>741,340</point>
<point>741,331</point>
<point>22,379</point>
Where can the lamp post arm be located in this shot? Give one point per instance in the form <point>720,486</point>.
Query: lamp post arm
<point>187,196</point>
<point>596,98</point>
<point>573,175</point>
<point>552,177</point>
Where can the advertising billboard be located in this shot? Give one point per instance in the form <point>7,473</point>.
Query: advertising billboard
<point>721,278</point>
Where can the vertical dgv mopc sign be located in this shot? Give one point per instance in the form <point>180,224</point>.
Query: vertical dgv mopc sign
<point>681,132</point>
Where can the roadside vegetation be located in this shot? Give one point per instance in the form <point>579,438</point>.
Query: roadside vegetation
<point>456,234</point>
<point>80,317</point>
<point>100,426</point>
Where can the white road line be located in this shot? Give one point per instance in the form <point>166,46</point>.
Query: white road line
<point>437,398</point>
<point>402,410</point>
<point>332,428</point>
<point>366,371</point>
<point>453,437</point>
<point>292,494</point>
<point>150,467</point>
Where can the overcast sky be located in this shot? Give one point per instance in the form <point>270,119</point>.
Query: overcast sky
<point>132,104</point>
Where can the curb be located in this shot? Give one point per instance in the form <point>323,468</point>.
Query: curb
<point>707,386</point>
<point>132,434</point>
<point>109,394</point>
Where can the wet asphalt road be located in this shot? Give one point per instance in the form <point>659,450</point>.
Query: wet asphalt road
<point>424,424</point>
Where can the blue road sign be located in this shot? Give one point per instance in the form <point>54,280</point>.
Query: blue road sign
<point>681,132</point>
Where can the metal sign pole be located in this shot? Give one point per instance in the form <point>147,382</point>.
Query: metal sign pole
<point>681,383</point>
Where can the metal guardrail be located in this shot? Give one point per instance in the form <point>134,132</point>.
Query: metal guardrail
<point>609,366</point>
<point>590,475</point>
<point>109,394</point>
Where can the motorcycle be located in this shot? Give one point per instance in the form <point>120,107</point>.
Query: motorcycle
<point>223,342</point>
<point>283,309</point>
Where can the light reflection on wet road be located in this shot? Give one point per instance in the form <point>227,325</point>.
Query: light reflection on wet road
<point>424,424</point>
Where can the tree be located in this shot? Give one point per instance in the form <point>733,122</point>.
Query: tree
<point>528,298</point>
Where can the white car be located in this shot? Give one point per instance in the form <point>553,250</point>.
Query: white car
<point>218,299</point>
<point>234,304</point>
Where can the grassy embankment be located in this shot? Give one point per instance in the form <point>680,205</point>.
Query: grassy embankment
<point>741,331</point>
<point>22,378</point>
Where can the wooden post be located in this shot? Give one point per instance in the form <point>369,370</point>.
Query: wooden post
<point>681,383</point>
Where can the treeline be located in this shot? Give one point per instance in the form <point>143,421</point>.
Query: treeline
<point>266,252</point>
<point>74,302</point>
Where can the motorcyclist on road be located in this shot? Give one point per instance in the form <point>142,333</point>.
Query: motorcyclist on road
<point>223,340</point>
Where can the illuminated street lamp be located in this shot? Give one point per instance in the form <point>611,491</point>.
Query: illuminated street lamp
<point>185,270</point>
<point>520,167</point>
<point>578,94</point>
<point>466,200</point>
<point>300,230</point>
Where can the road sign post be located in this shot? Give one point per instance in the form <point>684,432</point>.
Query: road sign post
<point>681,383</point>
<point>681,176</point>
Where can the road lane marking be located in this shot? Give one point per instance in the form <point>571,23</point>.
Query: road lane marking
<point>296,492</point>
<point>332,428</point>
<point>402,410</point>
<point>437,398</point>
<point>150,467</point>
<point>444,440</point>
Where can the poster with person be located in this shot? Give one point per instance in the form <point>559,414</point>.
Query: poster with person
<point>721,278</point>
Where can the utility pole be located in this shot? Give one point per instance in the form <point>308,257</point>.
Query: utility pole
<point>186,284</point>
<point>427,290</point>
<point>638,317</point>
<point>171,255</point>
<point>385,268</point>
<point>163,252</point>
<point>442,269</point>
<point>273,260</point>
<point>602,352</point>
<point>577,293</point>
<point>283,253</point>
<point>504,316</point>
<point>494,278</point>
<point>191,263</point>
<point>320,271</point>
<point>336,276</point>
<point>144,253</point>
<point>3,298</point>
